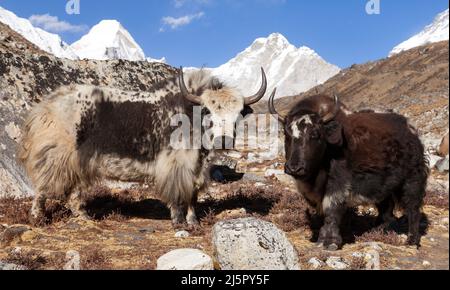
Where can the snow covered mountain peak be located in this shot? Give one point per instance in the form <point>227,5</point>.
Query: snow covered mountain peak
<point>46,41</point>
<point>108,40</point>
<point>435,32</point>
<point>293,70</point>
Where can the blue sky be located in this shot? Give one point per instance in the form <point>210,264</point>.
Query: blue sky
<point>210,32</point>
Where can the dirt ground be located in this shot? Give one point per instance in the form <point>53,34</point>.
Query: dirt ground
<point>131,229</point>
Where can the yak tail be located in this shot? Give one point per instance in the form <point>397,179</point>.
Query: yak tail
<point>48,153</point>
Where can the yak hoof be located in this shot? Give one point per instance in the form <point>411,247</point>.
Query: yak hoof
<point>193,222</point>
<point>332,248</point>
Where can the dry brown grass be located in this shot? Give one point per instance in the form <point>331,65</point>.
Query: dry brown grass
<point>290,212</point>
<point>15,211</point>
<point>357,263</point>
<point>380,235</point>
<point>30,260</point>
<point>92,258</point>
<point>437,200</point>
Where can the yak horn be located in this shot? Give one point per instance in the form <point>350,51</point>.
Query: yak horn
<point>331,115</point>
<point>272,109</point>
<point>184,91</point>
<point>260,94</point>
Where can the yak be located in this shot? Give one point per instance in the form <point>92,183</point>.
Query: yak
<point>341,159</point>
<point>82,134</point>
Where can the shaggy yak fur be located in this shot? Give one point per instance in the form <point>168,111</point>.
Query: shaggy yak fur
<point>342,160</point>
<point>82,134</point>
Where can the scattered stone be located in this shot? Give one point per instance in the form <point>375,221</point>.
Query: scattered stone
<point>182,234</point>
<point>372,258</point>
<point>73,261</point>
<point>185,259</point>
<point>11,267</point>
<point>433,159</point>
<point>147,230</point>
<point>316,263</point>
<point>443,164</point>
<point>252,244</point>
<point>13,131</point>
<point>337,263</point>
<point>426,264</point>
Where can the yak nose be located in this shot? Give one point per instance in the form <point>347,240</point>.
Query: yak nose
<point>295,169</point>
<point>224,142</point>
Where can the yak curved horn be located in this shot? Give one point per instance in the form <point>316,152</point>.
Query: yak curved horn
<point>272,109</point>
<point>260,94</point>
<point>185,92</point>
<point>331,115</point>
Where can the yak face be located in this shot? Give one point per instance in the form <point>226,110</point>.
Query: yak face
<point>307,140</point>
<point>225,107</point>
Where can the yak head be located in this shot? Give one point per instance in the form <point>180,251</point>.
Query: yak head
<point>308,134</point>
<point>224,107</point>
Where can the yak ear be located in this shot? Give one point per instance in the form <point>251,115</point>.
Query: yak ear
<point>334,133</point>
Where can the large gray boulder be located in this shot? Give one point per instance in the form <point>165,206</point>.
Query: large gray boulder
<point>253,244</point>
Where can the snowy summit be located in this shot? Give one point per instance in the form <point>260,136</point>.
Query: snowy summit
<point>435,32</point>
<point>46,41</point>
<point>108,40</point>
<point>293,70</point>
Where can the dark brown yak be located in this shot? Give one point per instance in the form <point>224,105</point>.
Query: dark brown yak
<point>344,160</point>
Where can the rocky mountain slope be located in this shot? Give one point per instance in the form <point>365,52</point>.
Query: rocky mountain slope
<point>435,32</point>
<point>27,74</point>
<point>291,69</point>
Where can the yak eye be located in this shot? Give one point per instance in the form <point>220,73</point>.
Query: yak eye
<point>315,135</point>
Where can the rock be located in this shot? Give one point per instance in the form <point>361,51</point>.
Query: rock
<point>316,263</point>
<point>337,263</point>
<point>147,230</point>
<point>433,160</point>
<point>182,234</point>
<point>252,244</point>
<point>13,131</point>
<point>426,264</point>
<point>73,261</point>
<point>372,258</point>
<point>13,233</point>
<point>185,259</point>
<point>11,267</point>
<point>442,165</point>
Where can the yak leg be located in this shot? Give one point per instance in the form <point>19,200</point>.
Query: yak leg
<point>38,207</point>
<point>413,193</point>
<point>386,212</point>
<point>330,236</point>
<point>191,216</point>
<point>177,213</point>
<point>76,205</point>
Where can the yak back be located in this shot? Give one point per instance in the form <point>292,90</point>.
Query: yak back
<point>379,142</point>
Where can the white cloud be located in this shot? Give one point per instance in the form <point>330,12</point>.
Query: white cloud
<point>53,24</point>
<point>175,23</point>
